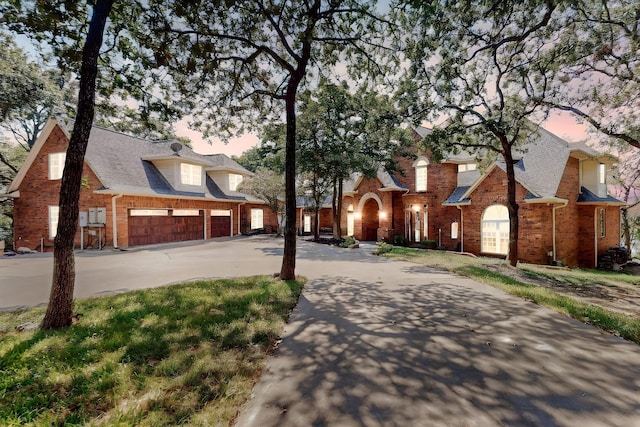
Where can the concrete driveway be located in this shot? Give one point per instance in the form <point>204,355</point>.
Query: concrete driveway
<point>382,343</point>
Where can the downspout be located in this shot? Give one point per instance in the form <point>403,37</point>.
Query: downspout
<point>461,230</point>
<point>553,236</point>
<point>231,222</point>
<point>240,216</point>
<point>595,235</point>
<point>204,214</point>
<point>113,218</point>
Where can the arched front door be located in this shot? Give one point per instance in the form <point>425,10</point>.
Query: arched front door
<point>370,220</point>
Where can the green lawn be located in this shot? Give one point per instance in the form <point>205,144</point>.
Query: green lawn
<point>481,269</point>
<point>183,354</point>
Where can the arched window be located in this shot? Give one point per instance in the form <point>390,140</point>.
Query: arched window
<point>420,166</point>
<point>350,221</point>
<point>495,230</point>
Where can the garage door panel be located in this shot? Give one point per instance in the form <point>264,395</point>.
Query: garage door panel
<point>146,230</point>
<point>220,226</point>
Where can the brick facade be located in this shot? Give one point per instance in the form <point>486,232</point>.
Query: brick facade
<point>37,193</point>
<point>577,237</point>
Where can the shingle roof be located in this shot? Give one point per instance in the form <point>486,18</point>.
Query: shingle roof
<point>388,180</point>
<point>587,196</point>
<point>542,163</point>
<point>122,163</point>
<point>456,197</point>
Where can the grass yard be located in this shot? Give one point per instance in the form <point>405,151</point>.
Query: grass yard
<point>551,288</point>
<point>185,354</point>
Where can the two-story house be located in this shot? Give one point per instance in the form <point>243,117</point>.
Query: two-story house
<point>134,192</point>
<point>565,213</point>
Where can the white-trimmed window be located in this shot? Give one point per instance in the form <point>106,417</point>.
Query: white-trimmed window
<point>421,174</point>
<point>190,174</point>
<point>351,221</point>
<point>234,181</point>
<point>466,167</point>
<point>54,214</point>
<point>186,212</point>
<point>602,173</point>
<point>602,222</point>
<point>56,165</point>
<point>149,212</point>
<point>495,230</point>
<point>257,219</point>
<point>307,223</point>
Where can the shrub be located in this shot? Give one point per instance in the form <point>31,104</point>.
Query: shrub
<point>429,244</point>
<point>348,241</point>
<point>383,248</point>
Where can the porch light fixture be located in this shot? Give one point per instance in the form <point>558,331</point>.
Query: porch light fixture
<point>358,215</point>
<point>416,208</point>
<point>383,215</point>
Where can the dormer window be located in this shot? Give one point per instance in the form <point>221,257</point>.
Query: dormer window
<point>56,165</point>
<point>602,173</point>
<point>467,167</point>
<point>190,174</point>
<point>421,174</point>
<point>234,181</point>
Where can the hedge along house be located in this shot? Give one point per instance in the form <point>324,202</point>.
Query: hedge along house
<point>566,215</point>
<point>134,192</point>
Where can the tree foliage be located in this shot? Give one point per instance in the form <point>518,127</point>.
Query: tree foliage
<point>597,52</point>
<point>342,133</point>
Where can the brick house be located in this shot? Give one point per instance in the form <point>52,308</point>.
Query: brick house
<point>135,192</point>
<point>565,212</point>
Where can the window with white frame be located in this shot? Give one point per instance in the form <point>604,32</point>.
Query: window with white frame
<point>421,175</point>
<point>467,167</point>
<point>602,223</point>
<point>307,223</point>
<point>495,230</point>
<point>257,218</point>
<point>234,181</point>
<point>190,174</point>
<point>56,165</point>
<point>54,214</point>
<point>602,173</point>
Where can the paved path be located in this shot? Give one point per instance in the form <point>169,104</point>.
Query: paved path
<point>382,343</point>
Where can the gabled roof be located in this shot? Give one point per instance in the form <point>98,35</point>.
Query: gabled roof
<point>124,164</point>
<point>387,179</point>
<point>589,198</point>
<point>541,163</point>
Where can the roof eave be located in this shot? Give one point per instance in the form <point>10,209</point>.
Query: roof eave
<point>546,200</point>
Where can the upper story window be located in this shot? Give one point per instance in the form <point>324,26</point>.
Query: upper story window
<point>602,173</point>
<point>421,174</point>
<point>190,174</point>
<point>234,181</point>
<point>467,167</point>
<point>56,165</point>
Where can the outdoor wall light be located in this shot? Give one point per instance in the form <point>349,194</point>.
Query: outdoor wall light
<point>358,215</point>
<point>383,215</point>
<point>416,207</point>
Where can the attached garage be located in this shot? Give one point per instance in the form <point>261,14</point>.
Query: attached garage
<point>149,226</point>
<point>220,223</point>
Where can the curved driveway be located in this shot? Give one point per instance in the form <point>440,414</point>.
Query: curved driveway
<point>374,342</point>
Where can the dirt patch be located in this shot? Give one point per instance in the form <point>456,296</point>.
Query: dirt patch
<point>621,297</point>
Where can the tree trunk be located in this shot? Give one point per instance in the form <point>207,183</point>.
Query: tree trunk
<point>339,209</point>
<point>334,210</point>
<point>512,204</point>
<point>316,208</point>
<point>60,309</point>
<point>287,272</point>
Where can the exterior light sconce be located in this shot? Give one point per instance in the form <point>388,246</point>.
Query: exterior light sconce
<point>416,208</point>
<point>357,215</point>
<point>383,215</point>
